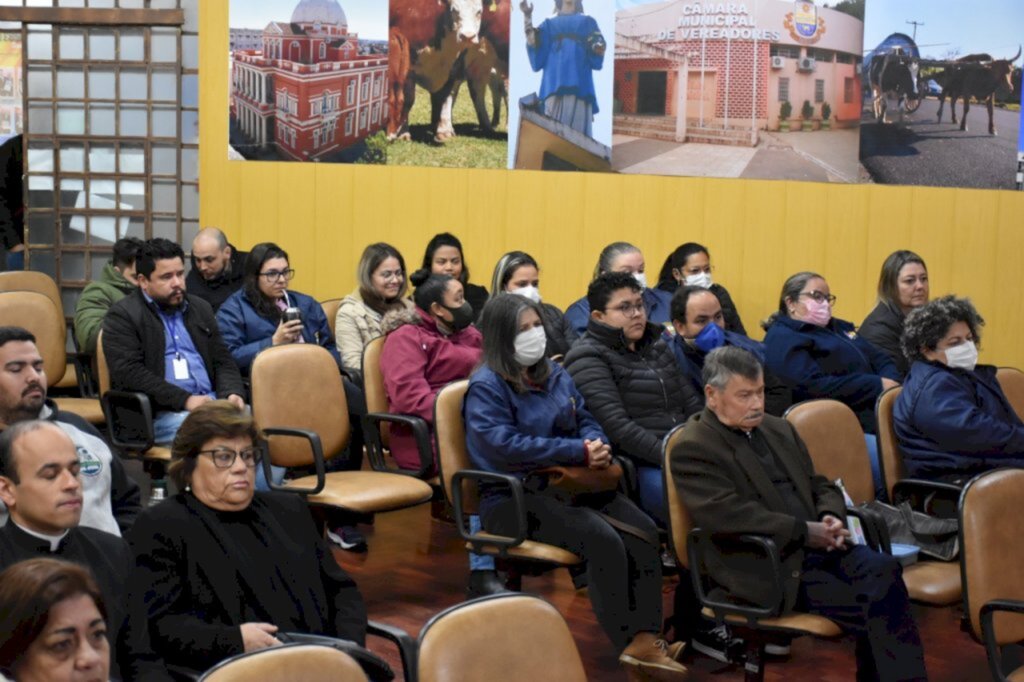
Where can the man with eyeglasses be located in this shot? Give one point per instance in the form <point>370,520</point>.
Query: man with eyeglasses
<point>632,385</point>
<point>164,343</point>
<point>217,267</point>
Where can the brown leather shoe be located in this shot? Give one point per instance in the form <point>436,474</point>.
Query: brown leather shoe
<point>648,657</point>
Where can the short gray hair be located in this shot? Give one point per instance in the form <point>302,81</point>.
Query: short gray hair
<point>725,362</point>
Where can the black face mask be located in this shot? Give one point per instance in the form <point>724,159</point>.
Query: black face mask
<point>462,316</point>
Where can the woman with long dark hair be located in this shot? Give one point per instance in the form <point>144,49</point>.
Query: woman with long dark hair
<point>443,256</point>
<point>690,265</point>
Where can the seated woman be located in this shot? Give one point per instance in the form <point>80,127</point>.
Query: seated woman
<point>518,273</point>
<point>952,418</point>
<point>523,413</point>
<point>622,257</point>
<point>425,349</point>
<point>690,265</point>
<point>251,319</point>
<point>444,257</point>
<point>382,288</point>
<point>902,286</point>
<point>820,356</point>
<point>52,623</point>
<point>221,568</point>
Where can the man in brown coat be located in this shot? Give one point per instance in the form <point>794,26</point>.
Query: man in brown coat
<point>741,471</point>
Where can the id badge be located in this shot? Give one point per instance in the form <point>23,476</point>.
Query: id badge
<point>180,368</point>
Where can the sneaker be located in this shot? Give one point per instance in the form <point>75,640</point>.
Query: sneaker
<point>717,642</point>
<point>779,648</point>
<point>668,563</point>
<point>648,657</point>
<point>348,538</point>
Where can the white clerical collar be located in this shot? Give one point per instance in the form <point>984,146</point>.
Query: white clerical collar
<point>54,540</point>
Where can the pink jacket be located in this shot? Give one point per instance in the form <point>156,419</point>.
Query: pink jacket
<point>417,361</point>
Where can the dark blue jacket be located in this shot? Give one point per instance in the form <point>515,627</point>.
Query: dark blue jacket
<point>828,362</point>
<point>246,332</point>
<point>950,421</point>
<point>777,396</point>
<point>516,433</point>
<point>658,304</point>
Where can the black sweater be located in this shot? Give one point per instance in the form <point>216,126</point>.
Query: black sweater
<point>217,290</point>
<point>637,395</point>
<point>883,328</point>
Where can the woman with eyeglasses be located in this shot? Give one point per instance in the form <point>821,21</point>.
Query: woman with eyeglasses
<point>253,317</point>
<point>690,265</point>
<point>820,356</point>
<point>222,569</point>
<point>382,288</point>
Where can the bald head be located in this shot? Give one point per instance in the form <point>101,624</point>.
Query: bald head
<point>211,253</point>
<point>39,477</point>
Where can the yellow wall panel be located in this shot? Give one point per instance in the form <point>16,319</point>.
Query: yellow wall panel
<point>759,232</point>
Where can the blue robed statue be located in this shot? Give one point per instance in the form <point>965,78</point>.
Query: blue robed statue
<point>568,48</point>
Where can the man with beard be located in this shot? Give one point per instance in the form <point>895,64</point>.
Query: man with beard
<point>110,498</point>
<point>164,343</point>
<point>216,267</point>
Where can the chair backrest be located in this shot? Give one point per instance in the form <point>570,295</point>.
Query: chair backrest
<point>299,386</point>
<point>330,308</point>
<point>835,441</point>
<point>679,522</point>
<point>102,368</point>
<point>991,551</point>
<point>306,662</point>
<point>373,384</point>
<point>37,313</point>
<point>39,282</point>
<point>1011,380</point>
<point>501,638</point>
<point>889,454</point>
<point>450,433</point>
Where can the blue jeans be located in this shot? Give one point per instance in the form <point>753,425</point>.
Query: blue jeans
<point>651,486</point>
<point>15,261</point>
<point>478,562</point>
<point>876,468</point>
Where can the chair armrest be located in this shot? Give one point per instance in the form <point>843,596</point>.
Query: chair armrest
<point>129,418</point>
<point>518,500</point>
<point>697,549</point>
<point>375,447</point>
<point>318,460</point>
<point>988,633</point>
<point>906,489</point>
<point>408,649</point>
<point>875,530</point>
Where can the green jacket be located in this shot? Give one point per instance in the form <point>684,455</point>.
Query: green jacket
<point>94,303</point>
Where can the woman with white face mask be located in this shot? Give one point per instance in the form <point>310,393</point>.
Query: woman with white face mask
<point>820,356</point>
<point>690,265</point>
<point>518,273</point>
<point>523,413</point>
<point>952,417</point>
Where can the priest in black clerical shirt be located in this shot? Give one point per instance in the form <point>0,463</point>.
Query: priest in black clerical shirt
<point>41,486</point>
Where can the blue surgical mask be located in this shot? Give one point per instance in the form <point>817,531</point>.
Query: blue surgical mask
<point>711,337</point>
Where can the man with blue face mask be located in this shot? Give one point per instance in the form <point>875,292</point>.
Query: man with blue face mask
<point>700,328</point>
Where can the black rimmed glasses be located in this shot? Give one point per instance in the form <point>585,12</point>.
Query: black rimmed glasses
<point>819,297</point>
<point>224,458</point>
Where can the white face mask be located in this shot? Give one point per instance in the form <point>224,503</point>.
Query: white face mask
<point>964,356</point>
<point>530,346</point>
<point>641,279</point>
<point>702,280</point>
<point>530,292</point>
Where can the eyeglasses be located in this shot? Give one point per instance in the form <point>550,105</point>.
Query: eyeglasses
<point>388,274</point>
<point>225,459</point>
<point>819,297</point>
<point>277,275</point>
<point>629,309</point>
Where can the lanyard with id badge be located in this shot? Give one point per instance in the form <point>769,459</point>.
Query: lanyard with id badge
<point>179,365</point>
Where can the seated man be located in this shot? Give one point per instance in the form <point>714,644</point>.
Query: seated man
<point>700,328</point>
<point>116,281</point>
<point>41,484</point>
<point>217,267</point>
<point>740,471</point>
<point>111,498</point>
<point>164,343</point>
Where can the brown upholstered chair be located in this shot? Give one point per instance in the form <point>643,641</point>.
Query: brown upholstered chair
<point>37,313</point>
<point>991,555</point>
<point>298,386</point>
<point>501,638</point>
<point>41,283</point>
<point>756,624</point>
<point>306,662</point>
<point>835,441</point>
<point>330,308</point>
<point>376,431</point>
<point>459,483</point>
<point>1011,380</point>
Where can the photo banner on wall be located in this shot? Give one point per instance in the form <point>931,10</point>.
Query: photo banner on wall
<point>764,89</point>
<point>11,114</point>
